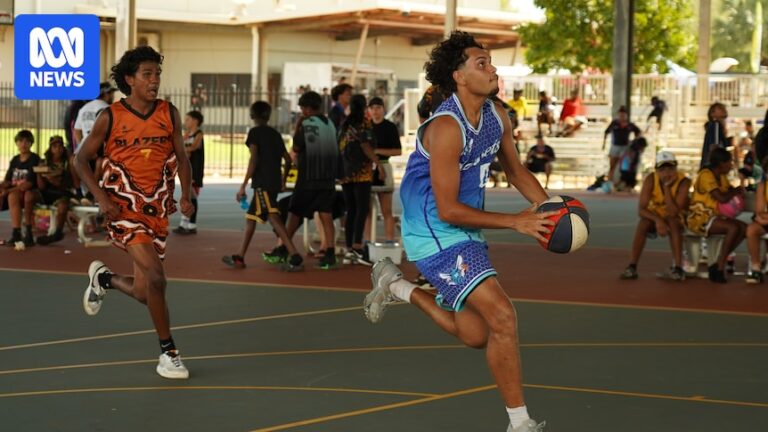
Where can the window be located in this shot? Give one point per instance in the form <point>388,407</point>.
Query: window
<point>217,89</point>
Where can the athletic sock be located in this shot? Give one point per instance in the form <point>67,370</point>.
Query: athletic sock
<point>402,289</point>
<point>193,218</point>
<point>167,345</point>
<point>517,415</point>
<point>184,222</point>
<point>105,280</point>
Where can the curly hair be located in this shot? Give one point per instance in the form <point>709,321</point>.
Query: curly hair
<point>718,156</point>
<point>447,57</point>
<point>129,64</point>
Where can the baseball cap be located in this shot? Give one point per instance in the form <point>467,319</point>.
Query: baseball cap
<point>376,101</point>
<point>106,87</point>
<point>665,158</point>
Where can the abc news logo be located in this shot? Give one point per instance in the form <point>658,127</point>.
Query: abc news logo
<point>56,57</point>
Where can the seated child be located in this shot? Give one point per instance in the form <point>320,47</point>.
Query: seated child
<point>18,191</point>
<point>54,180</point>
<point>663,202</point>
<point>711,188</point>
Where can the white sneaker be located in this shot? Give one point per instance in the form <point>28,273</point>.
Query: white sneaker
<point>384,273</point>
<point>171,366</point>
<point>94,293</point>
<point>528,426</point>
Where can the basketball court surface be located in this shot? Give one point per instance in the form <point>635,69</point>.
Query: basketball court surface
<point>271,351</point>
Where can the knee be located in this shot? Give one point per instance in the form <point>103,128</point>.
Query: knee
<point>29,197</point>
<point>156,280</point>
<point>502,319</point>
<point>755,230</point>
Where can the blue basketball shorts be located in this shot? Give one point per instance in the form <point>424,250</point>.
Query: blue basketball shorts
<point>456,271</point>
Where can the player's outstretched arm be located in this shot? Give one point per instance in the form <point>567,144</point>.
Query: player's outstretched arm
<point>442,139</point>
<point>517,174</point>
<point>185,169</point>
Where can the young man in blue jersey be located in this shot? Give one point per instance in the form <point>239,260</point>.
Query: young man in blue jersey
<point>443,218</point>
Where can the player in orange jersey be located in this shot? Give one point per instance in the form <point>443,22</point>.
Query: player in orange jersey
<point>143,150</point>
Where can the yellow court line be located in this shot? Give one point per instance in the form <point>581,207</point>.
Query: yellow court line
<point>648,395</point>
<point>184,327</point>
<point>354,413</point>
<point>374,409</point>
<point>514,299</point>
<point>399,348</point>
<point>203,281</point>
<point>236,355</point>
<point>217,388</point>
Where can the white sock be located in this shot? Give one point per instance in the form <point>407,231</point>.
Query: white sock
<point>184,222</point>
<point>517,415</point>
<point>402,289</point>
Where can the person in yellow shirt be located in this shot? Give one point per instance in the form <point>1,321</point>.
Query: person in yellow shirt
<point>663,202</point>
<point>712,187</point>
<point>755,232</point>
<point>519,104</point>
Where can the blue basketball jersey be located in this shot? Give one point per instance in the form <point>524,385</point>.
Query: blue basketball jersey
<point>423,233</point>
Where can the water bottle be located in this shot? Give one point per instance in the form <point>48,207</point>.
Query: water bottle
<point>244,202</point>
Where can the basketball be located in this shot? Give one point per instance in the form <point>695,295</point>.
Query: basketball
<point>732,208</point>
<point>571,228</point>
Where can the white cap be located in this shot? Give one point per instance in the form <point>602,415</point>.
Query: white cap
<point>664,158</point>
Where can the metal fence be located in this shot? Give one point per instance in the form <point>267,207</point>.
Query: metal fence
<point>226,121</point>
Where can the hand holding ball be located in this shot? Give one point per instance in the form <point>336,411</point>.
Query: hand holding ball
<point>571,228</point>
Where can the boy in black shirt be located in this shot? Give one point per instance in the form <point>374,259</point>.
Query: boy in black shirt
<point>318,156</point>
<point>194,146</point>
<point>19,189</point>
<point>267,150</point>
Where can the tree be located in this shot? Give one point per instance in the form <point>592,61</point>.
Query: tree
<point>733,29</point>
<point>578,34</point>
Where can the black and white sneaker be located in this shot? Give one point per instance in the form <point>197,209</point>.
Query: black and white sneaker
<point>361,257</point>
<point>755,277</point>
<point>94,293</point>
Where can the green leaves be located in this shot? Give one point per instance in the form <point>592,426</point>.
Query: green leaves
<point>578,34</point>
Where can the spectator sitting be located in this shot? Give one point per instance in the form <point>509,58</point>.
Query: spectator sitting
<point>755,232</point>
<point>630,161</point>
<point>750,173</point>
<point>18,191</point>
<point>519,104</point>
<point>546,112</point>
<point>711,188</point>
<point>54,180</point>
<point>572,109</point>
<point>663,202</point>
<point>540,159</point>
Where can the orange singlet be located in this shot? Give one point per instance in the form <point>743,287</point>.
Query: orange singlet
<point>139,170</point>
